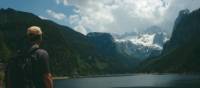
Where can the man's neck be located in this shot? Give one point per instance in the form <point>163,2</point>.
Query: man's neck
<point>35,45</point>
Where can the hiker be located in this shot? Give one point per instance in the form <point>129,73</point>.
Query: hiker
<point>30,67</point>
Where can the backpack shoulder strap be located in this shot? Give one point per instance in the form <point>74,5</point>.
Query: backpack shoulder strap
<point>32,51</point>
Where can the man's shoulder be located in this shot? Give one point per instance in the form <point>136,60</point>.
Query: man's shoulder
<point>41,52</point>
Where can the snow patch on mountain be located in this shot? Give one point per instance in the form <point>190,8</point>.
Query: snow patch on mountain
<point>141,45</point>
<point>146,40</point>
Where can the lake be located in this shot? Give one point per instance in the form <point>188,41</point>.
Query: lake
<point>133,81</point>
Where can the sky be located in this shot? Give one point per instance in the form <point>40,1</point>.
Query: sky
<point>113,16</point>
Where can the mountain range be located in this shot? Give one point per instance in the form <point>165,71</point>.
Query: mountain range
<point>71,53</point>
<point>143,45</point>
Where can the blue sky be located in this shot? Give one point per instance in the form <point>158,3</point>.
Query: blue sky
<point>113,16</point>
<point>40,7</point>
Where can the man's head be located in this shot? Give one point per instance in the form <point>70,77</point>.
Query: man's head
<point>34,34</point>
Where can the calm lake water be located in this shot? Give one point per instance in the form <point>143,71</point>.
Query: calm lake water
<point>134,81</point>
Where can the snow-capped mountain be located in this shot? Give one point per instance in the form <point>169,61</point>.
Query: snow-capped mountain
<point>142,45</point>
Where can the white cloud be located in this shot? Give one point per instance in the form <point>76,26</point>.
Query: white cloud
<point>118,16</point>
<point>57,1</point>
<point>55,15</point>
<point>81,29</point>
<point>65,2</point>
<point>42,17</point>
<point>147,9</point>
<point>73,19</point>
<point>92,18</point>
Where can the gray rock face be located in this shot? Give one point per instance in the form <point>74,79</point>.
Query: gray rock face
<point>142,45</point>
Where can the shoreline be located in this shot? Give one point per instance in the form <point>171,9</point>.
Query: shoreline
<point>118,75</point>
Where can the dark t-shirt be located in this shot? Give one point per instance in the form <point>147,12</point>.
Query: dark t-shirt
<point>43,60</point>
<point>40,67</point>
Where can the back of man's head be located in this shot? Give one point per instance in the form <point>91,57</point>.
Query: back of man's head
<point>34,34</point>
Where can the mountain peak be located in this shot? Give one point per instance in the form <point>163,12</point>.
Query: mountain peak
<point>7,9</point>
<point>184,11</point>
<point>142,45</point>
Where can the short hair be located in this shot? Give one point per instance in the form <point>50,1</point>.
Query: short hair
<point>34,33</point>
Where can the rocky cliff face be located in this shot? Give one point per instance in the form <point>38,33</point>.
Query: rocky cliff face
<point>104,42</point>
<point>182,52</point>
<point>179,33</point>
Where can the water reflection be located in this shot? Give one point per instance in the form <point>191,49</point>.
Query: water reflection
<point>136,81</point>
